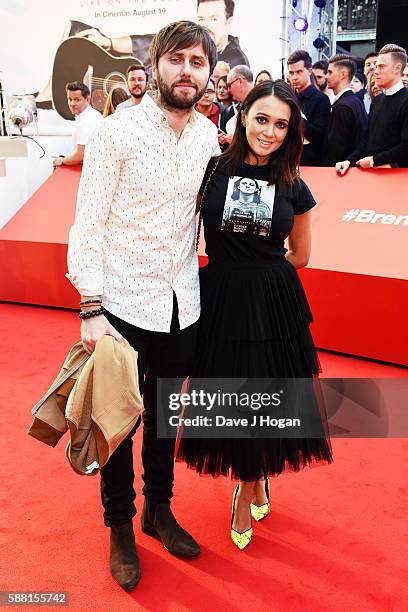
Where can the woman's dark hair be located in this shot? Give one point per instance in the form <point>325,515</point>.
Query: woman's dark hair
<point>236,190</point>
<point>263,72</point>
<point>283,163</point>
<point>361,77</point>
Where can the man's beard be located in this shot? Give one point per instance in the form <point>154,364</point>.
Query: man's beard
<point>322,86</point>
<point>138,94</point>
<point>172,100</point>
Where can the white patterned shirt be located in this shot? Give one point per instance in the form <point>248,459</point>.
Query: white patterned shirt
<point>133,237</point>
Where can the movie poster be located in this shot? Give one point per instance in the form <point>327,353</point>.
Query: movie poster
<point>45,44</point>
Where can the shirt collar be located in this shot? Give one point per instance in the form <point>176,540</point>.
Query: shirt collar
<point>81,115</point>
<point>394,89</point>
<point>214,109</point>
<point>338,96</point>
<point>155,113</point>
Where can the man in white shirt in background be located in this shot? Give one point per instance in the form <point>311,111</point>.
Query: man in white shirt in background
<point>136,76</point>
<point>240,81</point>
<point>86,120</point>
<point>132,250</point>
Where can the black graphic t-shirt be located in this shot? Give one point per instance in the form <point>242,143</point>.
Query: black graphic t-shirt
<point>244,217</point>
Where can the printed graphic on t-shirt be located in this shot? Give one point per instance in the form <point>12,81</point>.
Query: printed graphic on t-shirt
<point>248,206</point>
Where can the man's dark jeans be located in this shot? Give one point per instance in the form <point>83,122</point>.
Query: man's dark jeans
<point>160,355</point>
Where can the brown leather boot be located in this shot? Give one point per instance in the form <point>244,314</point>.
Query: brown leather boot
<point>158,521</point>
<point>124,562</point>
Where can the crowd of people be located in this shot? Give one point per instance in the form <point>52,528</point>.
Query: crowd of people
<point>131,250</point>
<point>346,120</point>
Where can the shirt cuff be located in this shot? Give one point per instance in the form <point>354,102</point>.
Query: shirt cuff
<point>87,284</point>
<point>380,159</point>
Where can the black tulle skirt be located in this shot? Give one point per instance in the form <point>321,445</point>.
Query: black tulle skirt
<point>254,323</point>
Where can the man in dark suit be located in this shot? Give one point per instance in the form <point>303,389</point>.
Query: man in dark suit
<point>348,120</point>
<point>314,104</point>
<point>386,140</point>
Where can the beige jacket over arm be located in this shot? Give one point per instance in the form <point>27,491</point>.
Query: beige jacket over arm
<point>97,398</point>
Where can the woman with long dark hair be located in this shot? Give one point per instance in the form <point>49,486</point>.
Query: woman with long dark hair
<point>255,317</point>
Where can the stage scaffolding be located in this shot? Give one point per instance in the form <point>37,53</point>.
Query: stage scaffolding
<point>321,26</point>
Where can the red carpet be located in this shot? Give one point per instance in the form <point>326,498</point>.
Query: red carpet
<point>336,538</point>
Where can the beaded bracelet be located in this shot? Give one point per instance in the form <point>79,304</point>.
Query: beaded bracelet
<point>92,313</point>
<point>90,302</point>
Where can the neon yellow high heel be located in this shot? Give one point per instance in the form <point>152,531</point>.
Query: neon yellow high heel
<point>260,512</point>
<point>241,540</point>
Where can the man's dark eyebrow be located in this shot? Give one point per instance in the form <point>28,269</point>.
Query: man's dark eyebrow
<point>180,53</point>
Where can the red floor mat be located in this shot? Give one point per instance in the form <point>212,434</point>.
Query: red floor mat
<point>336,538</point>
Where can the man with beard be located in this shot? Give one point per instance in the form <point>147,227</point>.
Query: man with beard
<point>137,85</point>
<point>132,259</point>
<point>319,70</point>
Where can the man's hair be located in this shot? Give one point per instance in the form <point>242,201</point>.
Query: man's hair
<point>399,55</point>
<point>300,56</point>
<point>229,6</point>
<point>345,61</point>
<point>183,35</point>
<point>78,86</point>
<point>371,54</point>
<point>321,65</point>
<point>243,71</point>
<point>136,67</point>
<point>223,65</point>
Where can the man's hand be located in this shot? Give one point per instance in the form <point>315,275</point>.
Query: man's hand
<point>56,161</point>
<point>342,167</point>
<point>224,138</point>
<point>365,162</point>
<point>94,328</point>
<point>96,37</point>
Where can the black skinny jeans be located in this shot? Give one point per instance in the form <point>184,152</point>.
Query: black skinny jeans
<point>160,355</point>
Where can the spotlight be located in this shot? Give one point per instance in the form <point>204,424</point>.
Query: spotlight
<point>319,43</point>
<point>22,111</point>
<point>300,24</point>
<point>320,3</point>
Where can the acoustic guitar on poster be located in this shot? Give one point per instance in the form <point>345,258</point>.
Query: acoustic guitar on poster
<point>80,59</point>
